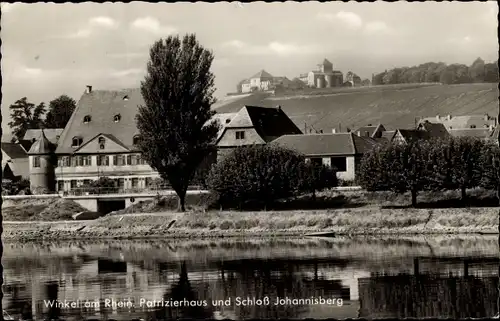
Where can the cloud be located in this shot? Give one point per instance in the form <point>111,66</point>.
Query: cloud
<point>272,48</point>
<point>460,40</point>
<point>152,25</point>
<point>93,24</point>
<point>103,21</point>
<point>377,27</point>
<point>347,18</point>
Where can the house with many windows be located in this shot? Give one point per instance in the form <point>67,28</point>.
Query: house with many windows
<point>343,151</point>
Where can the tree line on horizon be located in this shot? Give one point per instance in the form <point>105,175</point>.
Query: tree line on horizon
<point>477,72</point>
<point>26,115</point>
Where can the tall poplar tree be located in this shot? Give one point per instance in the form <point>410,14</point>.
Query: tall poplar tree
<point>174,124</point>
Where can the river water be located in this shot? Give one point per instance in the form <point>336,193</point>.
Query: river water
<point>367,277</point>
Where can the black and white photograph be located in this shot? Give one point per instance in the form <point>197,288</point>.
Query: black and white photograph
<point>250,160</point>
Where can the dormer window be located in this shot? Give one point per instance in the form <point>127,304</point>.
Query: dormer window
<point>135,140</point>
<point>472,126</point>
<point>125,97</point>
<point>117,118</point>
<point>101,143</point>
<point>87,119</point>
<point>77,141</point>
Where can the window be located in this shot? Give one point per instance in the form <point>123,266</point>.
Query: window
<point>101,142</point>
<point>339,164</point>
<point>73,184</point>
<point>140,160</point>
<point>117,118</point>
<point>102,160</point>
<point>317,161</point>
<point>86,182</point>
<point>133,160</point>
<point>87,160</point>
<point>60,185</point>
<point>240,135</point>
<point>87,119</point>
<point>121,183</point>
<point>135,140</point>
<point>149,180</point>
<point>36,161</point>
<point>135,182</point>
<point>472,126</point>
<point>77,141</point>
<point>129,159</point>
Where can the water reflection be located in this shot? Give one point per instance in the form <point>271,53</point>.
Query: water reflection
<point>362,277</point>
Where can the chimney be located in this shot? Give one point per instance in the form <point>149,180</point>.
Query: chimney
<point>367,134</point>
<point>359,133</point>
<point>279,107</point>
<point>438,118</point>
<point>486,117</point>
<point>448,117</point>
<point>334,131</point>
<point>321,131</point>
<point>89,89</point>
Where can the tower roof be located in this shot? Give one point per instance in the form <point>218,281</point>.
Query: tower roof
<point>326,62</point>
<point>41,146</point>
<point>262,74</point>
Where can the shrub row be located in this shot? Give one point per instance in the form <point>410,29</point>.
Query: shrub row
<point>264,174</point>
<point>456,163</point>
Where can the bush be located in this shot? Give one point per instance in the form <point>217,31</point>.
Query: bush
<point>21,186</point>
<point>264,174</point>
<point>490,167</point>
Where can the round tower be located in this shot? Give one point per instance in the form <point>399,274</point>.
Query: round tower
<point>329,80</point>
<point>41,165</point>
<point>320,82</point>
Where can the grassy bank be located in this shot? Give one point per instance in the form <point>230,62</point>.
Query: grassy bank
<point>272,223</point>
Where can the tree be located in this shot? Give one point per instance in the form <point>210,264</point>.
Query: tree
<point>174,124</point>
<point>477,70</point>
<point>457,161</point>
<point>317,177</point>
<point>491,72</point>
<point>490,167</point>
<point>25,115</point>
<point>258,173</point>
<point>60,111</point>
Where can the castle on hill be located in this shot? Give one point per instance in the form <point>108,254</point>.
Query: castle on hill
<point>323,77</point>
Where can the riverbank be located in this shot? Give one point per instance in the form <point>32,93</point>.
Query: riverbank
<point>215,224</point>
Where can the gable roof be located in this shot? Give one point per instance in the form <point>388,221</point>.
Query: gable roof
<point>269,123</point>
<point>411,134</point>
<point>434,130</point>
<point>14,150</point>
<point>370,129</point>
<point>388,134</point>
<point>42,146</point>
<point>326,144</point>
<point>102,106</point>
<point>108,136</point>
<point>224,119</point>
<point>262,74</point>
<point>52,134</point>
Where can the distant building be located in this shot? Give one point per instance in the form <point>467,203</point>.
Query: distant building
<point>424,131</point>
<point>462,122</point>
<point>254,125</point>
<point>324,76</point>
<point>371,131</point>
<point>262,81</point>
<point>352,80</point>
<point>15,162</point>
<point>342,151</point>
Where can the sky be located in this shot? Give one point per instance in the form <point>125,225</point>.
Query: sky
<point>52,49</point>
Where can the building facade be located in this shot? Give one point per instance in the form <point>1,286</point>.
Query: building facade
<point>342,151</point>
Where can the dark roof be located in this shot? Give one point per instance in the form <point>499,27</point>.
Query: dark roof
<point>434,130</point>
<point>14,150</point>
<point>25,143</point>
<point>370,129</point>
<point>471,132</point>
<point>326,62</point>
<point>52,134</point>
<point>262,74</point>
<point>224,119</point>
<point>412,134</point>
<point>42,146</point>
<point>327,144</point>
<point>270,123</point>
